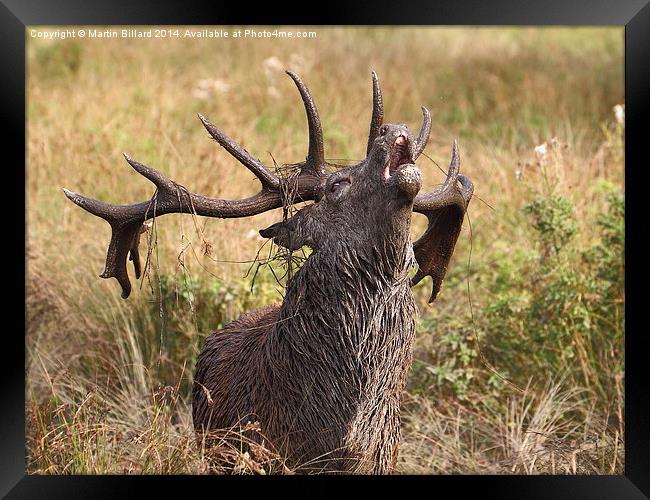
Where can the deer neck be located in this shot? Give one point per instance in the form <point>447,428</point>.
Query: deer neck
<point>341,350</point>
<point>347,307</point>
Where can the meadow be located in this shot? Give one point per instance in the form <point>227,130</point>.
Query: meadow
<point>519,363</point>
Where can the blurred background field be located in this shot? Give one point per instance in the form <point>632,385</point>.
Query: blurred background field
<point>519,364</point>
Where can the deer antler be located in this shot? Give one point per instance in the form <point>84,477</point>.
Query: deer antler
<point>170,197</point>
<point>377,112</point>
<point>445,209</point>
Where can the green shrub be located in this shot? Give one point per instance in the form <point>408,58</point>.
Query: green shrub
<point>449,366</point>
<point>553,220</point>
<point>549,309</point>
<point>565,313</point>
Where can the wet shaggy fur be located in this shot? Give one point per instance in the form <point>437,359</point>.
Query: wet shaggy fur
<point>322,373</point>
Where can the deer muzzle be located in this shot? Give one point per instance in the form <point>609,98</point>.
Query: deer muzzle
<point>400,169</point>
<point>401,154</point>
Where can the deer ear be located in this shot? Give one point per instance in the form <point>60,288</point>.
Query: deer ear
<point>286,234</point>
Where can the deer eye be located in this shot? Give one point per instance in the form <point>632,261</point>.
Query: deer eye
<point>339,184</point>
<point>383,129</point>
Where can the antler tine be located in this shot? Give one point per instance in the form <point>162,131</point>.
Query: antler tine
<point>377,112</point>
<point>244,157</point>
<point>423,137</point>
<point>154,176</point>
<point>316,155</point>
<point>95,207</point>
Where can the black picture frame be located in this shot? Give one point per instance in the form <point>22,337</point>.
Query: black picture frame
<point>634,15</point>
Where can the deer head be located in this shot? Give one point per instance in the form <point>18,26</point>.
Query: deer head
<point>358,205</point>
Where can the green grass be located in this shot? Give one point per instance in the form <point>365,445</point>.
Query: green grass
<point>519,364</point>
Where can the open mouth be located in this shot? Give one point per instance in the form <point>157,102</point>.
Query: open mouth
<point>399,156</point>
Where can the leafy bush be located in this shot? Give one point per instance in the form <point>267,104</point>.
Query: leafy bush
<point>449,363</point>
<point>565,311</point>
<point>553,220</point>
<point>551,310</point>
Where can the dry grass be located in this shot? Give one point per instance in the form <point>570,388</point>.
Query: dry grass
<point>533,436</point>
<point>108,380</point>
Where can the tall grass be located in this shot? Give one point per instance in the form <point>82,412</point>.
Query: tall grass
<point>519,364</point>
